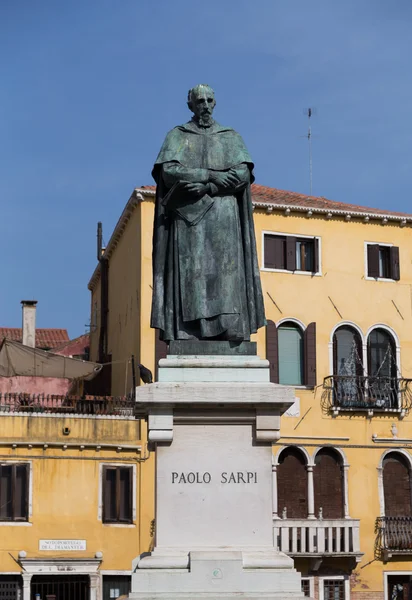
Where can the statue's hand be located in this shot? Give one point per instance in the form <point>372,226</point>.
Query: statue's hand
<point>224,179</point>
<point>196,189</point>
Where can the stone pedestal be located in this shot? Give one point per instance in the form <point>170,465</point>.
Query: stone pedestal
<point>213,419</point>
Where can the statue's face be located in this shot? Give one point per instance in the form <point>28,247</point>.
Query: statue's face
<point>203,103</point>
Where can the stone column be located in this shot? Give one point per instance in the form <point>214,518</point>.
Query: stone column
<point>311,495</point>
<point>345,492</point>
<point>95,588</point>
<point>27,585</point>
<point>274,491</point>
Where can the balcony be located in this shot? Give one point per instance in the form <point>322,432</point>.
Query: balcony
<point>394,536</point>
<point>41,404</point>
<point>343,393</point>
<point>318,537</point>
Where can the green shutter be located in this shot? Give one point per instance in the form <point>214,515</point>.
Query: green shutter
<point>290,355</point>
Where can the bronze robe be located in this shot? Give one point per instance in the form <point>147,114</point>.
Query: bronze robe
<point>206,281</point>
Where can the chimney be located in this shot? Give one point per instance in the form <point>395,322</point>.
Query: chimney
<point>29,322</point>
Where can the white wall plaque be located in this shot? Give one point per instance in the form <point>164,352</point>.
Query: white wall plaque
<point>294,410</point>
<point>62,545</point>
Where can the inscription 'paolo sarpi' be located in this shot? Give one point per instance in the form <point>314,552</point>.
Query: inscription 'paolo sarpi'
<point>206,477</point>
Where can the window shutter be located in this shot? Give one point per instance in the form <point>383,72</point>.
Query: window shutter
<point>292,484</point>
<point>20,500</point>
<point>395,272</point>
<point>396,486</point>
<point>109,494</point>
<point>160,351</point>
<point>5,493</point>
<point>291,253</point>
<point>310,355</point>
<point>280,252</point>
<point>272,351</point>
<point>270,251</point>
<point>373,260</point>
<point>125,494</point>
<point>328,485</point>
<point>316,261</point>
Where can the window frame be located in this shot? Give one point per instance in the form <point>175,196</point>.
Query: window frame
<point>29,493</point>
<point>286,323</point>
<point>315,238</point>
<point>366,266</point>
<point>311,585</point>
<point>100,513</point>
<point>321,580</point>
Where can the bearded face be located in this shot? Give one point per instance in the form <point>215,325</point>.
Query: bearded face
<point>202,102</point>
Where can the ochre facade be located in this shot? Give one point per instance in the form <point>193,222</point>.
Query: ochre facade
<point>339,293</point>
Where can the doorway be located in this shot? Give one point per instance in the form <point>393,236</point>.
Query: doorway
<point>399,587</point>
<point>60,587</point>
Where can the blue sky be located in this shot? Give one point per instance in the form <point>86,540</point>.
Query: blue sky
<point>90,87</point>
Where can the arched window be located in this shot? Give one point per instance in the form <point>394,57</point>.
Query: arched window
<point>397,485</point>
<point>381,354</point>
<point>348,366</point>
<point>347,352</point>
<point>328,484</point>
<point>292,481</point>
<point>291,370</point>
<point>382,369</point>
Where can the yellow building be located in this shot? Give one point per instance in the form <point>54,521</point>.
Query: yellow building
<point>337,284</point>
<point>70,505</point>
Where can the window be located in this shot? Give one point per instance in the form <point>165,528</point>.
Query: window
<point>115,586</point>
<point>383,261</point>
<point>290,253</point>
<point>382,369</point>
<point>14,491</point>
<point>117,494</point>
<point>348,367</point>
<point>292,481</point>
<point>333,589</point>
<point>305,586</point>
<point>328,484</point>
<point>291,353</point>
<point>396,486</point>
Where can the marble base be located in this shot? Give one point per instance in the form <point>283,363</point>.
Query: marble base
<point>216,574</point>
<point>213,419</point>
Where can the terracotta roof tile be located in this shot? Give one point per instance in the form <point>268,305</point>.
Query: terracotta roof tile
<point>74,347</point>
<point>267,195</point>
<point>45,338</point>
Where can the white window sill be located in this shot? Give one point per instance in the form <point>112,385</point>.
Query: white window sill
<point>296,387</point>
<point>15,524</point>
<point>121,525</point>
<point>309,273</point>
<point>380,279</point>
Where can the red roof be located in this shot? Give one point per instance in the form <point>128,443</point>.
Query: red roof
<point>45,338</point>
<point>75,347</point>
<point>268,195</point>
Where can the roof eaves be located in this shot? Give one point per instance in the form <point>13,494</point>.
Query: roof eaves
<point>136,197</point>
<point>333,211</point>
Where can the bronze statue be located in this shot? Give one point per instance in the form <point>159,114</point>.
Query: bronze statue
<point>206,282</point>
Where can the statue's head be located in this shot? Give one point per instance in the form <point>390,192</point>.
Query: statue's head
<point>201,101</point>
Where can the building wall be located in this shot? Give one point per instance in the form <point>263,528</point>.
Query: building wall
<point>307,299</point>
<point>34,385</point>
<point>65,488</point>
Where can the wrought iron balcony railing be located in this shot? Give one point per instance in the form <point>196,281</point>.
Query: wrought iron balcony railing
<point>342,393</point>
<point>120,406</point>
<point>393,536</point>
<point>317,537</point>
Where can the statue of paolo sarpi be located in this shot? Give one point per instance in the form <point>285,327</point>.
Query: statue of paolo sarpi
<point>206,282</point>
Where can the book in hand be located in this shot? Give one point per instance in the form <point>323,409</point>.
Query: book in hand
<point>189,208</point>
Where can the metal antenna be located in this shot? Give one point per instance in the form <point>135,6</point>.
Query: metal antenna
<point>309,113</point>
